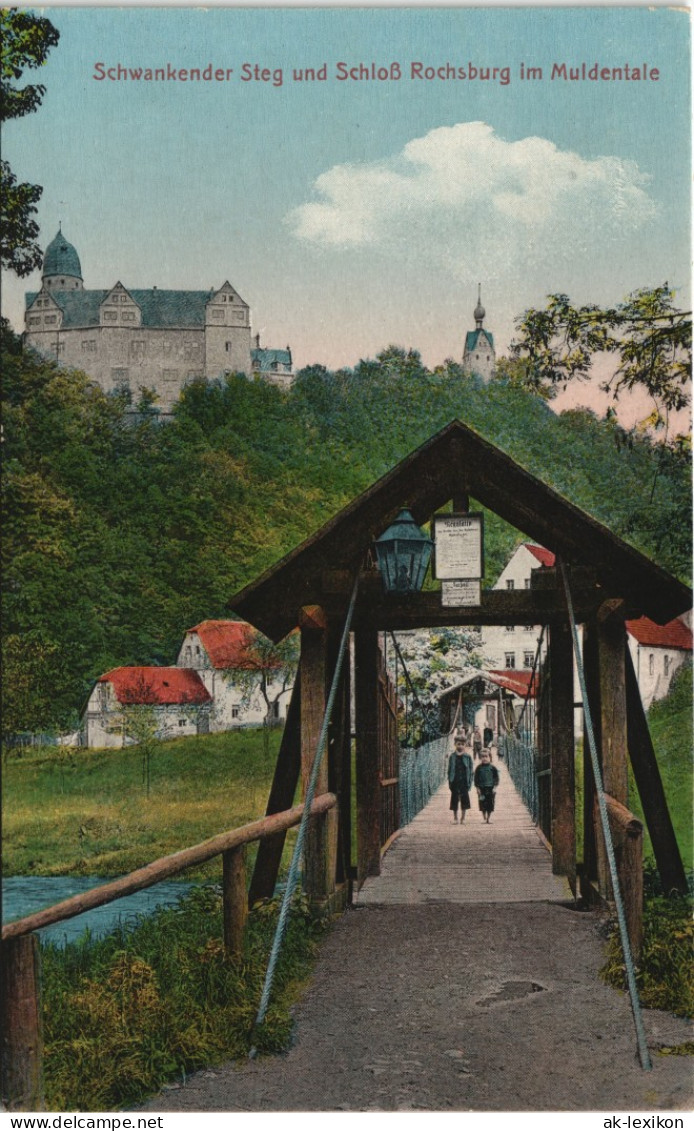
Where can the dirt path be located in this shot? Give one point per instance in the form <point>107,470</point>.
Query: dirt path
<point>444,990</point>
<point>491,1008</point>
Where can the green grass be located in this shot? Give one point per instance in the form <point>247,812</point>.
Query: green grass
<point>670,725</point>
<point>128,1013</point>
<point>86,812</point>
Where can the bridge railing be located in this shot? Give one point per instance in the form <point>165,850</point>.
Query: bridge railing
<point>22,1046</point>
<point>521,761</point>
<point>421,773</point>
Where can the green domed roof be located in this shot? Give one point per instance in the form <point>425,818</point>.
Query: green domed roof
<point>61,258</point>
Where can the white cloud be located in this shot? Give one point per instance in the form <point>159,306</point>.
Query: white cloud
<point>464,198</point>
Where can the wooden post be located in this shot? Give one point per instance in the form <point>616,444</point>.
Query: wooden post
<point>627,835</point>
<point>282,791</point>
<point>613,702</point>
<point>340,758</point>
<point>368,785</point>
<point>611,635</point>
<point>650,787</point>
<point>590,666</point>
<point>234,899</point>
<point>563,836</point>
<point>22,1029</point>
<point>319,872</point>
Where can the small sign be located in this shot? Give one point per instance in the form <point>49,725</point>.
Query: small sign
<point>458,546</point>
<point>455,594</point>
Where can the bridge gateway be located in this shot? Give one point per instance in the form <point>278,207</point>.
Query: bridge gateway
<point>609,581</point>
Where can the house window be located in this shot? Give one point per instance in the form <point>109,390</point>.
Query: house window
<point>528,658</point>
<point>651,664</point>
<point>217,315</point>
<point>34,321</point>
<point>110,315</point>
<point>529,627</point>
<point>170,374</point>
<point>128,315</point>
<point>509,659</point>
<point>137,351</point>
<point>510,627</point>
<point>511,584</point>
<point>89,346</point>
<point>120,376</point>
<point>666,665</point>
<point>526,583</point>
<point>167,347</point>
<point>234,712</point>
<point>191,350</point>
<point>181,722</point>
<point>50,319</point>
<point>228,346</point>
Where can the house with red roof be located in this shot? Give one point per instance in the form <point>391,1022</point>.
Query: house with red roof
<point>657,650</point>
<point>174,701</point>
<point>247,682</point>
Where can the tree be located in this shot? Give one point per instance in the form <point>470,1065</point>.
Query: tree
<point>25,40</point>
<point>649,337</point>
<point>268,668</point>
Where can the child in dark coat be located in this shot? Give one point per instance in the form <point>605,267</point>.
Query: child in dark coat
<point>460,779</point>
<point>486,781</point>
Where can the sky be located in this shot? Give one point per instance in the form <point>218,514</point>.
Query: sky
<point>355,212</point>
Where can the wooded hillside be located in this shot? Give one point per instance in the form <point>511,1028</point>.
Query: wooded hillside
<point>120,532</point>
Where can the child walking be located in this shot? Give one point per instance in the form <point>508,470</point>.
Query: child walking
<point>460,779</point>
<point>486,781</point>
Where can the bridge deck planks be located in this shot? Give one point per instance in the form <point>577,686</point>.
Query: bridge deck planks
<point>433,859</point>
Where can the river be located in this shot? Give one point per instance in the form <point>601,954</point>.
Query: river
<point>22,895</point>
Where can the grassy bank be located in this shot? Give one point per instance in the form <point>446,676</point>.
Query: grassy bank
<point>86,812</point>
<point>128,1013</point>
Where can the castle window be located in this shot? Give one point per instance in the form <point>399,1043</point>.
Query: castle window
<point>170,374</point>
<point>651,664</point>
<point>89,345</point>
<point>217,315</point>
<point>120,376</point>
<point>137,350</point>
<point>50,319</point>
<point>128,315</point>
<point>110,315</point>
<point>191,350</point>
<point>167,347</point>
<point>228,346</point>
<point>34,321</point>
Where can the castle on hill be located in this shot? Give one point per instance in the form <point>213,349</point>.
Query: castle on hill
<point>128,339</point>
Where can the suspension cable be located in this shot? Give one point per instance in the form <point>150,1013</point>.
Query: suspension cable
<point>607,834</point>
<point>299,845</point>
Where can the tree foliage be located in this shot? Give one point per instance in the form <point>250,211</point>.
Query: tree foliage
<point>25,41</point>
<point>649,338</point>
<point>120,532</point>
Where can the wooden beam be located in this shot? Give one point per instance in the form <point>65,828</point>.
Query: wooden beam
<point>317,882</point>
<point>612,640</point>
<point>282,792</point>
<point>627,836</point>
<point>650,786</point>
<point>22,1030</point>
<point>592,679</point>
<point>340,757</point>
<point>375,609</point>
<point>563,788</point>
<point>368,787</point>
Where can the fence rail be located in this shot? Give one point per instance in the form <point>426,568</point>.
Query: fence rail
<point>520,758</point>
<point>421,773</point>
<point>22,1044</point>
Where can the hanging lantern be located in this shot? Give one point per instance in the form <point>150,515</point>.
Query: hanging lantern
<point>403,553</point>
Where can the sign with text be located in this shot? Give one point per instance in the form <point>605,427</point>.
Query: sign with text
<point>458,553</point>
<point>455,594</point>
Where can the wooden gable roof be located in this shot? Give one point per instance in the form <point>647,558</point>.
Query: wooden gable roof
<point>456,460</point>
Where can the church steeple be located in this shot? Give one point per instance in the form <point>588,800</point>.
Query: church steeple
<point>479,311</point>
<point>479,356</point>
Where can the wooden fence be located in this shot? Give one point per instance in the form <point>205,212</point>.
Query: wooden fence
<point>22,1041</point>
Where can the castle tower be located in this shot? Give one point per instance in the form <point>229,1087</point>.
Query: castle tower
<point>479,356</point>
<point>61,266</point>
